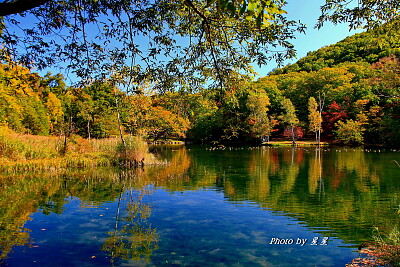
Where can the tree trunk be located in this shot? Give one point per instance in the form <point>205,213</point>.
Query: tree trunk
<point>119,123</point>
<point>88,129</point>
<point>319,137</point>
<point>321,101</point>
<point>293,138</point>
<point>67,133</point>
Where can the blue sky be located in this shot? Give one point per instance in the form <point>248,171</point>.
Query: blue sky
<point>308,11</point>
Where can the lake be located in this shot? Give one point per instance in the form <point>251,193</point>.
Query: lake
<point>241,206</point>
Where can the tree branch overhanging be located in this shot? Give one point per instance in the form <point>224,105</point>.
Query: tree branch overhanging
<point>19,6</point>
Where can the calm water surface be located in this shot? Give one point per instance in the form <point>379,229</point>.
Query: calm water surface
<point>227,207</point>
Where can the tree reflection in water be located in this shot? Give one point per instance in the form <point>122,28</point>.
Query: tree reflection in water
<point>344,191</point>
<point>133,238</point>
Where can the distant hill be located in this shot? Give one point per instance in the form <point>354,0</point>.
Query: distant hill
<point>369,46</point>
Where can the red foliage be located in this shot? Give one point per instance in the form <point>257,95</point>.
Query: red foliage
<point>334,114</point>
<point>298,132</point>
<point>386,63</point>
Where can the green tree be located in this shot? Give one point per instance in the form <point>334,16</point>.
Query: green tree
<point>349,132</point>
<point>93,110</point>
<point>331,84</point>
<point>270,85</point>
<point>35,119</point>
<point>86,112</point>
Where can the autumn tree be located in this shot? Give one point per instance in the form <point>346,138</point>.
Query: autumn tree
<point>333,114</point>
<point>26,106</point>
<point>260,124</point>
<point>199,111</point>
<point>144,116</point>
<point>315,118</point>
<point>136,114</point>
<point>55,111</point>
<point>164,124</point>
<point>385,78</point>
<point>289,118</point>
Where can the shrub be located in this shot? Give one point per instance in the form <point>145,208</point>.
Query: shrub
<point>384,252</point>
<point>134,153</point>
<point>349,132</point>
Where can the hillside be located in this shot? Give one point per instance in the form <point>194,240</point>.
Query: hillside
<point>369,46</point>
<point>356,83</point>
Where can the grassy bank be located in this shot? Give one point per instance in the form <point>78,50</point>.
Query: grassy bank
<point>384,251</point>
<point>32,152</point>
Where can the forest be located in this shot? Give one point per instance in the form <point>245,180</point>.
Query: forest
<point>350,89</point>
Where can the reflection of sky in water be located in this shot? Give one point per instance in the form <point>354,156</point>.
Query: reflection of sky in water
<point>195,228</point>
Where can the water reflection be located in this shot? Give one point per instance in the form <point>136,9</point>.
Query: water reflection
<point>346,192</point>
<point>133,238</point>
<point>315,181</point>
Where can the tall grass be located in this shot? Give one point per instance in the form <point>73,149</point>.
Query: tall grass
<point>32,152</point>
<point>25,147</point>
<point>106,145</point>
<point>135,152</point>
